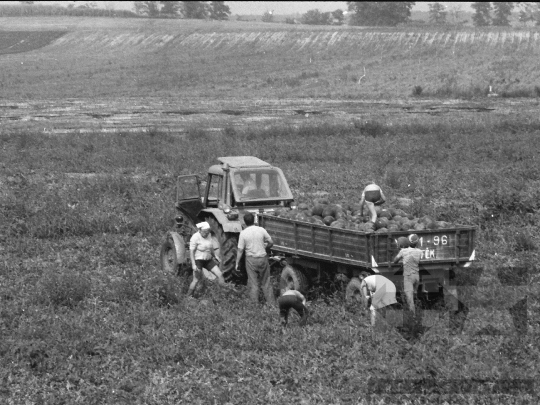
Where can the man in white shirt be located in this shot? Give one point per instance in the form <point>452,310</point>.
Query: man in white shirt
<point>379,292</point>
<point>254,241</point>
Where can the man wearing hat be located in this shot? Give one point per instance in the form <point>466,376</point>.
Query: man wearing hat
<point>411,272</point>
<point>254,240</point>
<point>201,251</point>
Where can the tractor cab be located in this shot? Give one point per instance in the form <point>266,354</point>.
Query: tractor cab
<point>236,185</point>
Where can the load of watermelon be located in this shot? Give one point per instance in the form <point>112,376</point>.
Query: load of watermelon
<point>347,216</point>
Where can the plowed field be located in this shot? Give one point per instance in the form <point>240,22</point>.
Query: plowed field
<point>77,74</point>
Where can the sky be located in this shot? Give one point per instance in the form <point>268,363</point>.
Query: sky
<point>260,7</point>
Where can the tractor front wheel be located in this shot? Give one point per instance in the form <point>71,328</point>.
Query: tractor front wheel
<point>169,256</point>
<point>169,263</point>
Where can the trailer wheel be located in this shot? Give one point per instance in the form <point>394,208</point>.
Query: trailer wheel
<point>353,293</point>
<point>293,279</point>
<point>228,242</point>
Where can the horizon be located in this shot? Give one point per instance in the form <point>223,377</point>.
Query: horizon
<point>258,7</point>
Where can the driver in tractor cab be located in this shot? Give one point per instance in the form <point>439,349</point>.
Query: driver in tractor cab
<point>248,184</point>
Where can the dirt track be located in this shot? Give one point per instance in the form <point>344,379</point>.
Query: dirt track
<point>176,116</point>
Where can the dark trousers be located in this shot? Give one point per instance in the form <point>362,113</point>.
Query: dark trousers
<point>258,271</point>
<point>286,302</point>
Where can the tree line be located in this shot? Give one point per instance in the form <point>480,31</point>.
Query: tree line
<point>390,14</point>
<point>214,10</point>
<point>359,13</point>
<point>88,9</point>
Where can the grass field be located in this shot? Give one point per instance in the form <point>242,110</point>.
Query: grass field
<point>86,314</point>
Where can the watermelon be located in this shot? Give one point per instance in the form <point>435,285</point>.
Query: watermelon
<point>327,220</point>
<point>318,209</point>
<point>426,219</point>
<point>301,216</point>
<point>400,212</point>
<point>321,201</point>
<point>329,211</point>
<point>403,220</point>
<point>405,226</point>
<point>385,214</point>
<point>381,223</point>
<point>432,225</point>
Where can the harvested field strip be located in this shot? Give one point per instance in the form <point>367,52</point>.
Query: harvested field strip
<point>25,41</point>
<point>294,41</point>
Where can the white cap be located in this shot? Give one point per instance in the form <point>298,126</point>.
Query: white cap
<point>203,225</point>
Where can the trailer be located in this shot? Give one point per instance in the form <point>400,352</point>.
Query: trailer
<point>312,253</point>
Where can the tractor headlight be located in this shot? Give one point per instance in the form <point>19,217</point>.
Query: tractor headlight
<point>232,215</point>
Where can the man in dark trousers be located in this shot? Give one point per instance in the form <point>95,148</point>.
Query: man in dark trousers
<point>292,299</point>
<point>254,241</point>
<point>411,271</point>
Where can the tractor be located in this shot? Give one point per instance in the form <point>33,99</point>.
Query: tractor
<point>237,185</point>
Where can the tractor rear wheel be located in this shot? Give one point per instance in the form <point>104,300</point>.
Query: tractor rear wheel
<point>293,279</point>
<point>228,247</point>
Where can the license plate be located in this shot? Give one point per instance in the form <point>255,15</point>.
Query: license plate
<point>437,246</point>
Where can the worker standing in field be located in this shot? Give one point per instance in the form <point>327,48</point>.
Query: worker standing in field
<point>292,299</point>
<point>411,272</point>
<point>371,196</point>
<point>201,251</point>
<point>379,293</point>
<point>253,241</point>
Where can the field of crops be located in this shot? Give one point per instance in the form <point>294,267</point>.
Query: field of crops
<point>97,124</point>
